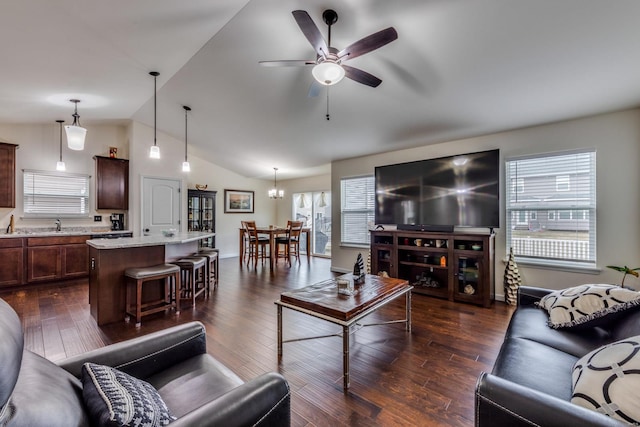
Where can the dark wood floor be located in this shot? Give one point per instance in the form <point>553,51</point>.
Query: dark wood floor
<point>425,378</point>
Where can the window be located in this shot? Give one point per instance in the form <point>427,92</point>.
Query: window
<point>55,194</point>
<point>563,183</point>
<point>561,195</point>
<point>517,185</point>
<point>357,203</point>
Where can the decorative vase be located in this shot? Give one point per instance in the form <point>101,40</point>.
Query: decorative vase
<point>512,280</point>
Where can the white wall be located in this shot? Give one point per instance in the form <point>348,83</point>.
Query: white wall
<point>616,138</point>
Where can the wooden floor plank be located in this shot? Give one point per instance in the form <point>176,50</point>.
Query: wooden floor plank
<point>425,378</point>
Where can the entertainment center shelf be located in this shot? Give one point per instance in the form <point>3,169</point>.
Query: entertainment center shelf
<point>456,266</point>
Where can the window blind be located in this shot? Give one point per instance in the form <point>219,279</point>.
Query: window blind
<point>357,197</point>
<point>53,194</point>
<point>551,207</point>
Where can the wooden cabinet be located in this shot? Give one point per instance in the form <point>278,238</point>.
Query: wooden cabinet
<point>201,214</point>
<point>7,175</point>
<point>12,265</point>
<point>112,183</point>
<point>455,266</point>
<point>55,258</point>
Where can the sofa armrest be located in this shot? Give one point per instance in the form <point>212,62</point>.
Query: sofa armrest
<point>500,402</point>
<point>146,355</point>
<point>263,401</point>
<point>527,295</point>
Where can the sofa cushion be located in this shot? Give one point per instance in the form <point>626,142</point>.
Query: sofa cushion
<point>536,366</point>
<point>192,383</point>
<point>47,395</point>
<point>114,398</point>
<point>587,305</point>
<point>531,323</point>
<point>607,380</point>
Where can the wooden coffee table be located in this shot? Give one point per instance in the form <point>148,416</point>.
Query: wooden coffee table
<point>323,301</point>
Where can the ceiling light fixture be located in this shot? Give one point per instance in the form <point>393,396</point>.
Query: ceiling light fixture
<point>328,72</point>
<point>60,165</point>
<point>185,165</point>
<point>154,151</point>
<point>274,193</point>
<point>75,133</point>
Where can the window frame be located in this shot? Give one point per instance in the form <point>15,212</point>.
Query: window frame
<point>578,169</point>
<point>368,210</point>
<point>52,187</point>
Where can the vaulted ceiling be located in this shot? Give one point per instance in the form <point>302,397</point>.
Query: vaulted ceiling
<point>459,68</point>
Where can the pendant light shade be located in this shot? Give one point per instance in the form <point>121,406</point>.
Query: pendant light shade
<point>323,200</point>
<point>185,165</point>
<point>154,151</point>
<point>274,193</point>
<point>302,203</point>
<point>75,133</point>
<point>60,166</point>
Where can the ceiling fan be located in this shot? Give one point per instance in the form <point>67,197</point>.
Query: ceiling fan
<point>328,67</point>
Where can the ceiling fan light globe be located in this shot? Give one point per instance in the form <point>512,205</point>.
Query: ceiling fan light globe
<point>328,73</point>
<point>75,137</point>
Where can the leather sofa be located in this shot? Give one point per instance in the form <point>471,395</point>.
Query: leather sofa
<point>530,383</point>
<point>198,389</point>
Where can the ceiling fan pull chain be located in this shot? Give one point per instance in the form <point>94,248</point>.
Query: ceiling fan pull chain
<point>328,117</point>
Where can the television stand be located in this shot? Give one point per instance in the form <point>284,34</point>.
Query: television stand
<point>455,266</point>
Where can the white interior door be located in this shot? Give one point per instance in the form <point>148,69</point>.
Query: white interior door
<point>160,205</point>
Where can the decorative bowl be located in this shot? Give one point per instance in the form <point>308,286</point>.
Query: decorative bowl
<point>476,247</point>
<point>462,247</point>
<point>201,187</point>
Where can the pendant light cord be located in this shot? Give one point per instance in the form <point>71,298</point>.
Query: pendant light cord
<point>186,110</point>
<point>60,122</point>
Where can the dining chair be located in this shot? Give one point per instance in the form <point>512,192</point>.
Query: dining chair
<point>291,241</point>
<point>257,244</point>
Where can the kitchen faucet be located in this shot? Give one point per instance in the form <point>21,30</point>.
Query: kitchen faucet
<point>58,224</point>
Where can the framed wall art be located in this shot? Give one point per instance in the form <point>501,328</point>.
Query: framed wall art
<point>238,201</point>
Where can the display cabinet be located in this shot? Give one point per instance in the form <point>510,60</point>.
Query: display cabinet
<point>455,266</point>
<point>201,214</point>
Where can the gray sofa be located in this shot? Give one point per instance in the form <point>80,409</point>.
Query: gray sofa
<point>530,384</point>
<point>197,388</point>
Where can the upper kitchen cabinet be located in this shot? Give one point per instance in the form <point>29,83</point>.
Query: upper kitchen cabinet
<point>112,183</point>
<point>7,175</point>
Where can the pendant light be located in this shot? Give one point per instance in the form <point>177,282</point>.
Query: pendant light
<point>60,165</point>
<point>185,165</point>
<point>75,133</point>
<point>274,193</point>
<point>302,203</point>
<point>323,200</point>
<point>154,151</point>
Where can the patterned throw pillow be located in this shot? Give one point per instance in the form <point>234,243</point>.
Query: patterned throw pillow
<point>114,398</point>
<point>586,305</point>
<point>607,380</point>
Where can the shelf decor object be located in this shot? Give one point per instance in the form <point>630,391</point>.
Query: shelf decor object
<point>512,280</point>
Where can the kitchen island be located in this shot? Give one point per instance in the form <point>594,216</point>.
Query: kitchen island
<point>109,258</point>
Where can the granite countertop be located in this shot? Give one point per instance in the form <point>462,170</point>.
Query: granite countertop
<point>155,240</point>
<point>70,231</point>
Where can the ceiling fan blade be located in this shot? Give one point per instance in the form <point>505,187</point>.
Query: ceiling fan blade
<point>314,89</point>
<point>360,76</point>
<point>287,63</point>
<point>369,43</point>
<point>311,31</point>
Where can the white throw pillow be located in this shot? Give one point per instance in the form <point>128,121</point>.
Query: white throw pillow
<point>586,305</point>
<point>607,380</point>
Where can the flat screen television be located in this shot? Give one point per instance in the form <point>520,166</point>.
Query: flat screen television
<point>456,191</point>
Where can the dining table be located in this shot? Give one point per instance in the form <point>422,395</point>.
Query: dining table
<point>273,231</point>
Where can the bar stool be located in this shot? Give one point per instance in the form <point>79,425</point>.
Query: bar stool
<point>139,276</point>
<point>193,276</point>
<point>213,255</point>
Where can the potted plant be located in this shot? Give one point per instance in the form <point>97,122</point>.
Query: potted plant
<point>626,270</point>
